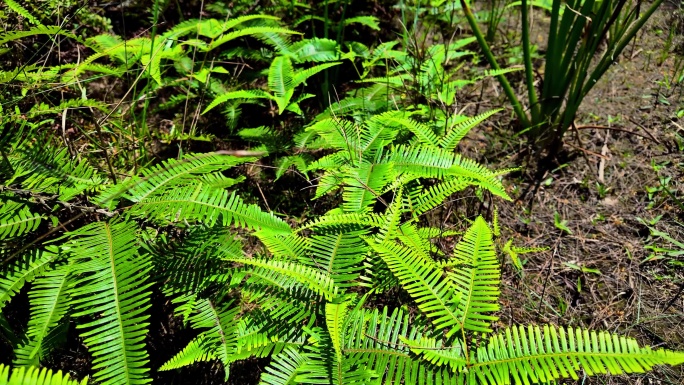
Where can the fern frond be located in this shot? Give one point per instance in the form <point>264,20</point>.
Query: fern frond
<point>240,94</point>
<point>35,376</point>
<point>174,173</point>
<point>54,172</point>
<point>112,286</point>
<point>16,219</point>
<point>539,355</point>
<point>38,30</point>
<point>458,132</point>
<point>314,50</point>
<point>435,296</point>
<point>13,5</point>
<point>315,280</point>
<point>247,32</point>
<point>49,298</point>
<point>192,353</point>
<point>335,314</point>
<point>476,276</point>
<point>339,254</point>
<point>283,368</point>
<point>281,81</point>
<point>431,350</point>
<point>207,205</point>
<point>24,270</point>
<point>369,21</point>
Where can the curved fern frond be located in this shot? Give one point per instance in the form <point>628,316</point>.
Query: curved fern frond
<point>339,254</point>
<point>38,30</point>
<point>16,219</point>
<point>335,314</point>
<point>475,273</point>
<point>24,270</point>
<point>112,286</point>
<point>455,134</point>
<point>240,94</point>
<point>283,368</point>
<point>208,205</point>
<point>528,355</point>
<point>49,298</point>
<point>314,50</point>
<point>192,353</point>
<point>35,376</point>
<point>178,172</point>
<point>436,297</point>
<point>432,351</point>
<point>281,81</point>
<point>314,279</point>
<point>13,5</point>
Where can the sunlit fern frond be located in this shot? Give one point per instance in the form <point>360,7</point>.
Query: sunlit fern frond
<point>340,254</point>
<point>455,134</point>
<point>200,203</point>
<point>113,287</point>
<point>44,170</point>
<point>35,376</point>
<point>16,219</point>
<point>289,275</point>
<point>534,354</point>
<point>171,174</point>
<point>474,270</point>
<point>435,296</point>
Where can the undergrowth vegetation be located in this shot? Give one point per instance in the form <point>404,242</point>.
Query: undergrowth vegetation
<point>268,174</point>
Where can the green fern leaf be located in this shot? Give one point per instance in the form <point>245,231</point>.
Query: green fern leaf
<point>314,50</point>
<point>24,270</point>
<point>476,276</point>
<point>16,219</point>
<point>315,280</point>
<point>13,5</point>
<point>281,81</point>
<point>247,32</point>
<point>431,350</point>
<point>207,205</point>
<point>192,353</point>
<point>35,376</point>
<point>335,314</point>
<point>112,286</point>
<point>240,94</point>
<point>49,298</point>
<point>369,21</point>
<point>528,355</point>
<point>283,368</point>
<point>421,278</point>
<point>455,134</point>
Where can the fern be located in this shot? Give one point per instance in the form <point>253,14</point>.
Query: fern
<point>35,376</point>
<point>16,219</point>
<point>538,355</point>
<point>112,285</point>
<point>49,298</point>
